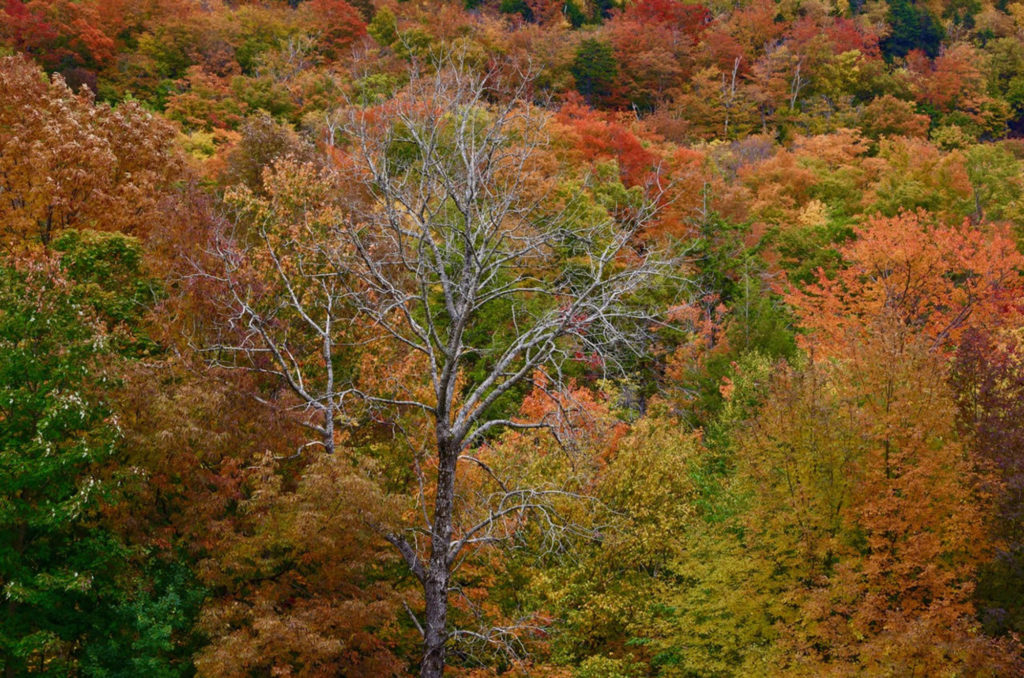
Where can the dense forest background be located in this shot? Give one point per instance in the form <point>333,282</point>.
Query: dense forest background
<point>523,337</point>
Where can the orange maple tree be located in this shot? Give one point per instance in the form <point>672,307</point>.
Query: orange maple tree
<point>67,162</point>
<point>934,279</point>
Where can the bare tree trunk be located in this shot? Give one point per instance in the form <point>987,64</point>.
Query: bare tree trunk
<point>795,86</point>
<point>732,93</point>
<point>329,430</point>
<point>435,587</point>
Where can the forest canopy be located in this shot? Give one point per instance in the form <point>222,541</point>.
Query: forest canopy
<point>566,338</point>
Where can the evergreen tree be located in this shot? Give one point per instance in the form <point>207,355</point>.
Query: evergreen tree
<point>595,69</point>
<point>913,27</point>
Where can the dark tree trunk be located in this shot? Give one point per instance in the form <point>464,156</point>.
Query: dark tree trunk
<point>435,586</point>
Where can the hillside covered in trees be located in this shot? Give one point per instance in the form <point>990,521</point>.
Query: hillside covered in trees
<point>554,338</point>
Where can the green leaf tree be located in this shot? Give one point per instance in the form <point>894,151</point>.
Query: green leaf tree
<point>72,600</point>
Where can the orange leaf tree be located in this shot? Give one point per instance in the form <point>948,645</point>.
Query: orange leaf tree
<point>68,162</point>
<point>869,505</point>
<point>933,279</point>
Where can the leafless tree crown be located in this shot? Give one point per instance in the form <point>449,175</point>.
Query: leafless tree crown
<point>438,218</point>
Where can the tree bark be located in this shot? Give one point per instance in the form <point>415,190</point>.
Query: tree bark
<point>435,586</point>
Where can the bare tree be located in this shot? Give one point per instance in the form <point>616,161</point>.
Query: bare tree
<point>440,217</point>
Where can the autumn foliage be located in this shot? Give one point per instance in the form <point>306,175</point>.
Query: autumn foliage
<point>936,280</point>
<point>567,338</point>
